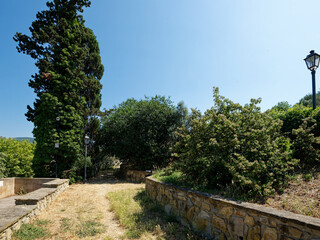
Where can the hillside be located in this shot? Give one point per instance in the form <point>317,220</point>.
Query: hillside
<point>30,139</point>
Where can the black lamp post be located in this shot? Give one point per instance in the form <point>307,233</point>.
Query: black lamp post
<point>86,142</point>
<point>312,61</point>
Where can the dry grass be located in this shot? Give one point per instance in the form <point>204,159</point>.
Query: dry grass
<point>82,212</point>
<point>301,196</point>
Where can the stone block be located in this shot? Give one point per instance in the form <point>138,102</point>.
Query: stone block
<point>226,212</point>
<point>254,233</point>
<point>190,214</point>
<point>167,209</point>
<point>219,223</point>
<point>249,221</point>
<point>206,206</point>
<point>237,226</point>
<point>294,232</point>
<point>201,225</point>
<point>270,234</point>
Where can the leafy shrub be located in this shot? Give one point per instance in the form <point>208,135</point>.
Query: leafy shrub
<point>292,118</point>
<point>17,157</point>
<point>306,142</point>
<point>140,133</point>
<point>234,145</point>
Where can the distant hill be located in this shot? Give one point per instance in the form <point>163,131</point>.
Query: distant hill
<point>30,139</point>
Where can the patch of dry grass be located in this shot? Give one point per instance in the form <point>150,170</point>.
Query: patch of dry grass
<point>302,196</point>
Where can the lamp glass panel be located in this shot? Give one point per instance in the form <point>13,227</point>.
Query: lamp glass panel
<point>316,60</point>
<point>310,62</point>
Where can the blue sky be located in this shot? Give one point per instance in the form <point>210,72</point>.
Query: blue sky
<point>179,48</point>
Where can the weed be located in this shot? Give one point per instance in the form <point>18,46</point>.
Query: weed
<point>32,231</point>
<point>307,177</point>
<point>89,228</point>
<point>66,224</point>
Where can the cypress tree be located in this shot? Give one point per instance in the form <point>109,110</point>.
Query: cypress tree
<point>67,84</point>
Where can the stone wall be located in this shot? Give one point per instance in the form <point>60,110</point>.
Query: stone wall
<point>6,187</point>
<point>136,176</point>
<point>12,186</point>
<point>219,218</point>
<point>29,184</point>
<point>25,213</point>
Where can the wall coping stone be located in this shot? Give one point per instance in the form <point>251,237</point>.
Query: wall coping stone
<point>302,220</point>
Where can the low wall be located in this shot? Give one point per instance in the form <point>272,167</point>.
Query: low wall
<point>12,186</point>
<point>136,176</point>
<point>7,187</point>
<point>219,218</point>
<point>29,184</point>
<point>13,215</point>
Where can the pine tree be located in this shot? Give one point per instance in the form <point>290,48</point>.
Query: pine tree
<point>67,84</point>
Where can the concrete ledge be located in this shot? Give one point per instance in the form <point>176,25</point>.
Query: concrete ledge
<point>34,197</point>
<point>17,210</point>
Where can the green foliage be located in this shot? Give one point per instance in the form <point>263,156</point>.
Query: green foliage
<point>16,158</point>
<point>2,165</point>
<point>234,145</point>
<point>67,83</point>
<point>292,118</point>
<point>306,142</point>
<point>36,230</point>
<point>89,229</point>
<point>140,133</point>
<point>281,106</point>
<point>307,100</point>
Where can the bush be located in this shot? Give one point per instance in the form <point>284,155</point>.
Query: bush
<point>292,118</point>
<point>306,142</point>
<point>234,145</point>
<point>2,165</point>
<point>17,157</point>
<point>140,133</point>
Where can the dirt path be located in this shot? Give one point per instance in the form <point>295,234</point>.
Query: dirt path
<point>83,209</point>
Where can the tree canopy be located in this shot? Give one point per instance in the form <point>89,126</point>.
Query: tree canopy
<point>67,84</point>
<point>141,133</point>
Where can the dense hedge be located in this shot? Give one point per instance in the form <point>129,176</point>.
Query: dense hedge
<point>16,158</point>
<point>234,145</point>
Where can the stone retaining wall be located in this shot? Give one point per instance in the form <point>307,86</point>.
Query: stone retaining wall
<point>25,213</point>
<point>219,218</point>
<point>136,176</point>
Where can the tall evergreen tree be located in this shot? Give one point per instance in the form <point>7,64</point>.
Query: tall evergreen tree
<point>67,83</point>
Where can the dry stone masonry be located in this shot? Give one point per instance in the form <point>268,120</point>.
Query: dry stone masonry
<point>219,218</point>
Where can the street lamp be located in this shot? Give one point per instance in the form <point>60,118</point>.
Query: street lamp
<point>86,142</point>
<point>312,61</point>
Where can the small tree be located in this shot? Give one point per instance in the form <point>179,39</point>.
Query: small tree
<point>140,133</point>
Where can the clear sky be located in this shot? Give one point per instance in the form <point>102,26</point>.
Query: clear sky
<point>179,48</point>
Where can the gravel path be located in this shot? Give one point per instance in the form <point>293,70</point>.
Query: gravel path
<point>83,203</point>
